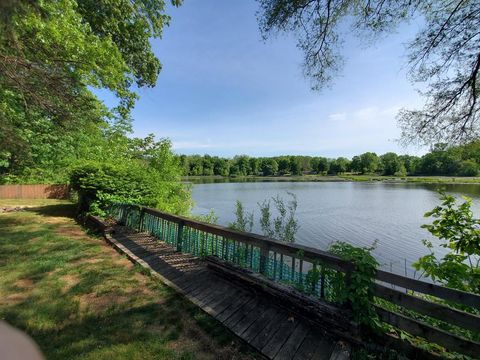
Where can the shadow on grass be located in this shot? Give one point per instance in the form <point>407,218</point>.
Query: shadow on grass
<point>97,334</point>
<point>78,301</point>
<point>124,331</point>
<point>57,210</point>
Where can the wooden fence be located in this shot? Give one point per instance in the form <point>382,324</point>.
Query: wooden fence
<point>293,264</point>
<point>57,191</point>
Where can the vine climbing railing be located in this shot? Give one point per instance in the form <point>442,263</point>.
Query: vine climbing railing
<point>405,303</point>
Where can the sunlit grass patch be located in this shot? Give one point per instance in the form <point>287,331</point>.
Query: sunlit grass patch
<point>79,299</point>
<point>32,202</point>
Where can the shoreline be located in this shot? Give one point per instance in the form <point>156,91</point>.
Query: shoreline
<point>447,180</point>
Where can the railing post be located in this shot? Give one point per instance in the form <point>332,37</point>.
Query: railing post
<point>348,283</point>
<point>322,283</point>
<point>264,255</point>
<point>181,224</point>
<point>141,218</point>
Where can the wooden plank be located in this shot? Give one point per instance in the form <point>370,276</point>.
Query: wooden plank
<point>315,346</point>
<point>285,330</point>
<point>166,270</point>
<point>341,351</point>
<point>291,346</point>
<point>242,312</point>
<point>161,264</point>
<point>138,250</point>
<point>141,252</point>
<point>186,284</point>
<point>234,306</point>
<point>200,292</point>
<point>439,311</point>
<point>151,257</point>
<point>251,317</point>
<point>217,294</point>
<point>441,292</point>
<point>200,285</point>
<point>222,303</point>
<point>214,288</point>
<point>269,330</point>
<point>263,320</point>
<point>189,279</point>
<point>449,341</point>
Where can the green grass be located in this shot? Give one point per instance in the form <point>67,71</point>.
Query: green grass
<point>79,299</point>
<point>32,202</point>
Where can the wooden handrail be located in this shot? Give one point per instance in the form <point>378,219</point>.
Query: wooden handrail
<point>423,287</point>
<point>312,255</point>
<point>425,307</point>
<point>441,337</point>
<point>266,246</point>
<point>299,251</point>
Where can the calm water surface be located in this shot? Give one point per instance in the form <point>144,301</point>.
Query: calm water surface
<point>358,213</point>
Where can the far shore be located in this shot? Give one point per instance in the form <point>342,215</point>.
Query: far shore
<point>338,178</point>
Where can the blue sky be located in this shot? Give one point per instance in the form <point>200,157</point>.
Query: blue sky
<point>224,91</point>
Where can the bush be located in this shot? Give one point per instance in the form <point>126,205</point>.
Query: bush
<point>459,232</point>
<point>100,184</point>
<point>285,224</point>
<point>359,291</point>
<point>469,168</point>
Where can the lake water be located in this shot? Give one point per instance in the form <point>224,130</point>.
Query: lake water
<point>358,213</point>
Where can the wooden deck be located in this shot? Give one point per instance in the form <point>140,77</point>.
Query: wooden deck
<point>271,329</point>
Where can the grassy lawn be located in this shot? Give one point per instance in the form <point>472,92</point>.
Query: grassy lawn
<point>79,299</point>
<point>32,202</point>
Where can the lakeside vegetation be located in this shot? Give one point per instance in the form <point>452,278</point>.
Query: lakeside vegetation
<point>55,58</point>
<point>442,160</point>
<point>335,178</point>
<point>79,299</point>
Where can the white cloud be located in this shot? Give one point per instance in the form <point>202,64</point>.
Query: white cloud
<point>178,145</point>
<point>367,113</point>
<point>337,116</point>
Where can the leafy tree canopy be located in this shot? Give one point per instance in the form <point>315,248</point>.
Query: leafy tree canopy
<point>53,53</point>
<point>444,56</point>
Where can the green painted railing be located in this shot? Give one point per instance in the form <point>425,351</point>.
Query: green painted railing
<point>309,270</point>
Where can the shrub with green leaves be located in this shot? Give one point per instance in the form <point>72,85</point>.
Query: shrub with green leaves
<point>285,224</point>
<point>459,231</point>
<point>244,220</point>
<point>101,184</point>
<point>358,291</point>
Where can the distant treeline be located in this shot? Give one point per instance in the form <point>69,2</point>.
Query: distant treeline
<point>441,160</point>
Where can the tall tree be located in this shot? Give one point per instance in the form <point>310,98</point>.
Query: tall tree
<point>391,164</point>
<point>444,57</point>
<point>52,53</point>
<point>369,162</point>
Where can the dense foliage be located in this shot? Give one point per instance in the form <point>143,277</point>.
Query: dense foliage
<point>441,160</point>
<point>458,231</point>
<point>101,184</point>
<point>443,57</point>
<point>53,55</point>
<point>357,290</point>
